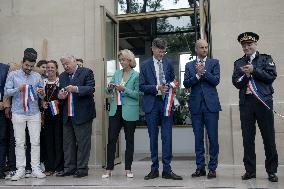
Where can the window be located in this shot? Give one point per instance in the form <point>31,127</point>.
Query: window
<point>138,6</point>
<point>178,29</point>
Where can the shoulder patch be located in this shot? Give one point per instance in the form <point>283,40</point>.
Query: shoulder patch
<point>271,63</point>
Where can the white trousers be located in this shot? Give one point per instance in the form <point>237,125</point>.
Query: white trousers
<point>34,126</point>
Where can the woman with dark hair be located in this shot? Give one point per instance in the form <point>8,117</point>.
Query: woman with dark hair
<point>41,68</point>
<point>52,121</point>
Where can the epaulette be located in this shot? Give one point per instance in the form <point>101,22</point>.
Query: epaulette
<point>266,55</point>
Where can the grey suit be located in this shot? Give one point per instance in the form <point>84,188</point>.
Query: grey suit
<point>77,129</point>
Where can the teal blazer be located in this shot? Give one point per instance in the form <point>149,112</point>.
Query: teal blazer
<point>130,108</point>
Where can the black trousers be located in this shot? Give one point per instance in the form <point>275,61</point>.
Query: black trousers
<point>3,140</point>
<point>53,139</point>
<point>28,150</point>
<point>11,157</point>
<point>250,112</point>
<point>116,122</point>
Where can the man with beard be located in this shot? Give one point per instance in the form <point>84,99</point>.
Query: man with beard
<point>24,86</point>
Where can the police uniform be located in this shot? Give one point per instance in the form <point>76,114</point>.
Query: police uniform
<point>252,110</point>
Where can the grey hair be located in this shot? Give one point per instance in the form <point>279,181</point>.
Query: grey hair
<point>159,43</point>
<point>128,54</point>
<point>68,57</point>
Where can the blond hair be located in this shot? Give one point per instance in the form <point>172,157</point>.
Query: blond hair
<point>128,54</point>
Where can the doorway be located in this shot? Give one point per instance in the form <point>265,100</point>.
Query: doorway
<point>110,50</point>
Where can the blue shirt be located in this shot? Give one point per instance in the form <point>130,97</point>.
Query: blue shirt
<point>14,82</point>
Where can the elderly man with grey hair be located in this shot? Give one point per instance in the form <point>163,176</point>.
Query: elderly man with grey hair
<point>77,94</point>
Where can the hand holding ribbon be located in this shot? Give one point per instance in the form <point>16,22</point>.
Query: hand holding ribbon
<point>169,98</point>
<point>119,88</point>
<point>71,89</point>
<point>40,88</point>
<point>62,94</point>
<point>28,95</point>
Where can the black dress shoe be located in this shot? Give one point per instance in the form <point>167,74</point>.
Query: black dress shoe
<point>171,175</point>
<point>152,175</point>
<point>199,173</point>
<point>211,174</point>
<point>80,174</point>
<point>248,176</point>
<point>64,174</point>
<point>2,175</point>
<point>272,177</point>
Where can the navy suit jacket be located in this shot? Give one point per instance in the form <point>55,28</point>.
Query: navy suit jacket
<point>3,75</point>
<point>84,104</point>
<point>148,81</point>
<point>205,87</point>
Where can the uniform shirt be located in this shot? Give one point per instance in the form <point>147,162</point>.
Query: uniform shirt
<point>251,59</point>
<point>14,82</point>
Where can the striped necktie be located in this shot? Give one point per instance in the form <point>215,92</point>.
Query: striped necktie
<point>161,73</point>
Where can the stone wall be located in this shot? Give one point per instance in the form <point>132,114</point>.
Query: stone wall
<point>228,19</point>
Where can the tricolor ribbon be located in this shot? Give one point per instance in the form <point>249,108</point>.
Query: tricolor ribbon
<point>28,95</point>
<point>169,98</point>
<point>119,97</point>
<point>70,105</point>
<point>54,107</point>
<point>252,87</point>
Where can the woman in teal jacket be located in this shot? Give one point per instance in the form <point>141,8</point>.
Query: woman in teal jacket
<point>124,110</point>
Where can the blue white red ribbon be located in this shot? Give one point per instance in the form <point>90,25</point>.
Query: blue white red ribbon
<point>169,98</point>
<point>119,97</point>
<point>54,107</point>
<point>28,95</point>
<point>252,87</point>
<point>70,105</point>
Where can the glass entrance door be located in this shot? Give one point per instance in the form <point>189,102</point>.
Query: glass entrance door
<point>110,49</point>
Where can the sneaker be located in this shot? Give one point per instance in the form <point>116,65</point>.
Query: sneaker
<point>28,173</point>
<point>2,175</point>
<point>20,173</point>
<point>37,173</point>
<point>107,174</point>
<point>10,174</point>
<point>129,174</point>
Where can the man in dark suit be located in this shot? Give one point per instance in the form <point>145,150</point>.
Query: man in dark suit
<point>259,69</point>
<point>77,93</point>
<point>155,75</point>
<point>3,122</point>
<point>202,76</point>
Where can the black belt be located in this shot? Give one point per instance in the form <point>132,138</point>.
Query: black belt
<point>250,94</point>
<point>159,97</point>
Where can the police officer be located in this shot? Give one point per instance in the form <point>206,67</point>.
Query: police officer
<point>259,69</point>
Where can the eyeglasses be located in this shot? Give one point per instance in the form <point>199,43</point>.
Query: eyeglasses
<point>160,51</point>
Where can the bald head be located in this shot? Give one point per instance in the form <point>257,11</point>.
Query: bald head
<point>201,48</point>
